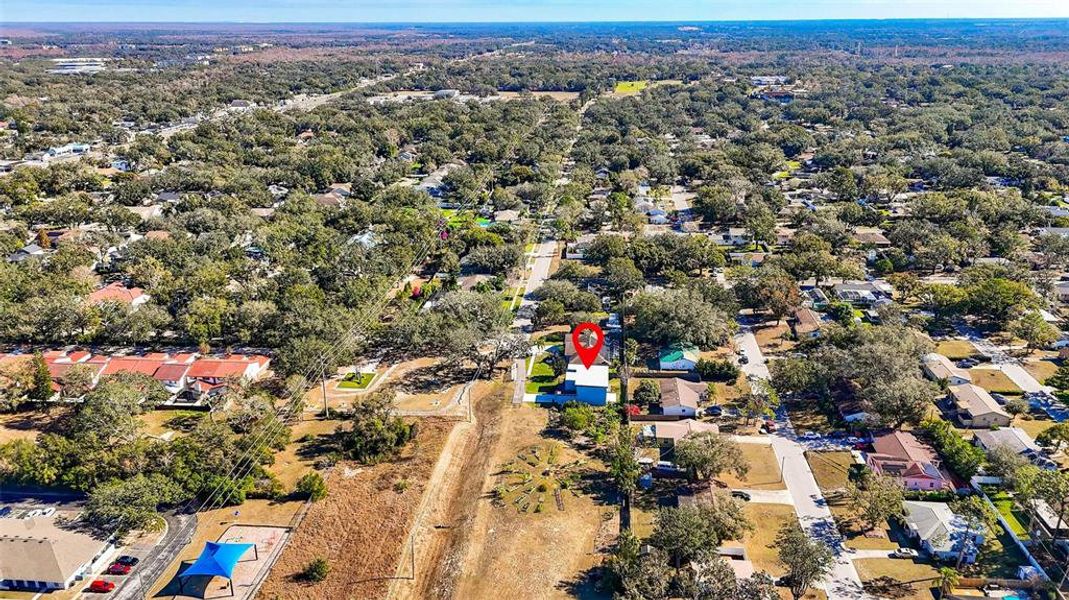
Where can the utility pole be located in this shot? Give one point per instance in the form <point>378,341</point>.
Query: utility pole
<point>323,387</point>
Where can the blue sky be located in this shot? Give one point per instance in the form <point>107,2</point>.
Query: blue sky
<point>515,10</point>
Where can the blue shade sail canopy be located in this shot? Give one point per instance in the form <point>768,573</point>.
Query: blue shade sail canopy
<point>217,560</point>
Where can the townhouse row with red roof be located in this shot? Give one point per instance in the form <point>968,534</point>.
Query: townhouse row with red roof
<point>190,378</point>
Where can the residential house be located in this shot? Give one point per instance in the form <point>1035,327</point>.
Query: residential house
<point>814,297</point>
<point>863,293</point>
<point>506,216</point>
<point>577,250</point>
<point>854,411</point>
<point>974,407</point>
<point>172,376</point>
<point>209,376</point>
<point>118,292</point>
<point>1017,441</point>
<point>667,433</point>
<point>678,357</point>
<point>941,532</point>
<point>679,397</point>
<point>590,386</point>
<point>806,323</point>
<point>604,356</point>
<point>44,553</point>
<point>912,463</point>
<point>939,368</point>
<point>871,236</point>
<point>26,253</point>
<point>732,236</point>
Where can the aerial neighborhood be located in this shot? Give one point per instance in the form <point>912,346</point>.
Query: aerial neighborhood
<point>600,310</point>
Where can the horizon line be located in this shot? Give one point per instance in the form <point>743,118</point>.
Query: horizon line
<point>551,22</point>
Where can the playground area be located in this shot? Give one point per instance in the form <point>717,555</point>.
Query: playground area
<point>248,572</point>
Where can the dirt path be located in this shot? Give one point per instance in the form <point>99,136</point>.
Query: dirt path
<point>455,490</point>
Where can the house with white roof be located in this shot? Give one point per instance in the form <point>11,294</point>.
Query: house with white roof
<point>939,368</point>
<point>941,532</point>
<point>590,386</point>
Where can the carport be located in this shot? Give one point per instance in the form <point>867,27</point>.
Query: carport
<point>217,560</point>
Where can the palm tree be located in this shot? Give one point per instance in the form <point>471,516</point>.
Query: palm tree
<point>947,579</point>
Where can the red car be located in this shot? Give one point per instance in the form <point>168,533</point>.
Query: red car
<point>119,569</point>
<point>100,586</point>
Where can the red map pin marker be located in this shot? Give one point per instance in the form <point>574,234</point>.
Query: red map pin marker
<point>588,352</point>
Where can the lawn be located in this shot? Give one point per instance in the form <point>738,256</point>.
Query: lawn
<point>1004,504</point>
<point>994,380</point>
<point>808,417</point>
<point>760,544</point>
<point>1033,426</point>
<point>956,349</point>
<point>356,381</point>
<point>764,471</point>
<point>881,538</point>
<point>897,578</point>
<point>1000,557</point>
<point>627,88</point>
<point>542,379</point>
<point>1041,369</point>
<point>830,469</point>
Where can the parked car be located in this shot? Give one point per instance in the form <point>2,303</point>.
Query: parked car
<point>100,586</point>
<point>743,359</point>
<point>905,553</point>
<point>128,560</point>
<point>714,411</point>
<point>809,435</point>
<point>770,425</point>
<point>119,569</point>
<point>967,363</point>
<point>741,495</point>
<point>48,512</point>
<point>998,397</point>
<point>5,511</point>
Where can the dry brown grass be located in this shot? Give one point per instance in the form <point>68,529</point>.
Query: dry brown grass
<point>994,380</point>
<point>1041,369</point>
<point>510,554</point>
<point>830,469</point>
<point>775,338</point>
<point>361,526</point>
<point>764,473</point>
<point>23,425</point>
<point>760,544</point>
<point>896,578</point>
<point>956,349</point>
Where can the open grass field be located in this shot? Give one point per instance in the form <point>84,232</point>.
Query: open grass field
<point>764,471</point>
<point>956,349</point>
<point>830,469</point>
<point>994,380</point>
<point>629,88</point>
<point>897,578</point>
<point>808,417</point>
